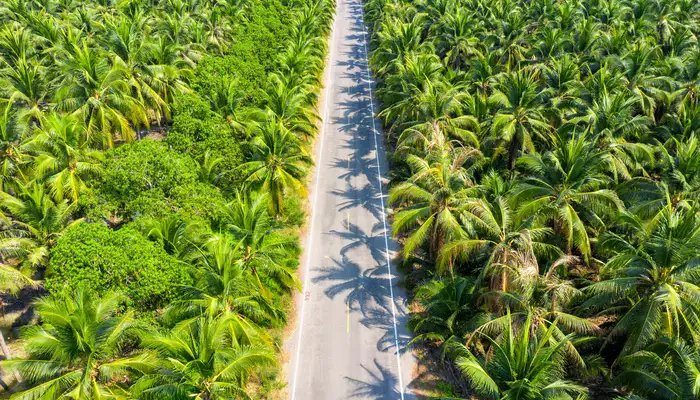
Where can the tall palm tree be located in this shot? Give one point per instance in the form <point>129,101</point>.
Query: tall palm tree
<point>225,289</point>
<point>429,203</point>
<point>568,188</point>
<point>63,156</point>
<point>77,351</point>
<point>34,221</point>
<point>492,229</point>
<point>100,95</point>
<point>279,165</point>
<point>520,124</point>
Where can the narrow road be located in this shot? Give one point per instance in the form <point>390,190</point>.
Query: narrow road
<point>350,339</point>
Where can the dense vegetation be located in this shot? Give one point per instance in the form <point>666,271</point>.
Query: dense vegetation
<point>154,158</point>
<point>546,174</point>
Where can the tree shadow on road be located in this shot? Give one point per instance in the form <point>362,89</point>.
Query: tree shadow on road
<point>364,289</point>
<point>380,384</point>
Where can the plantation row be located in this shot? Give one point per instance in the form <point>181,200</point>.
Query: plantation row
<point>165,265</point>
<point>546,178</point>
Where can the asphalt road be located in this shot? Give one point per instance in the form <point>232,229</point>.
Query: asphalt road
<point>350,336</point>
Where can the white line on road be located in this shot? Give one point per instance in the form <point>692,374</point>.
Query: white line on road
<point>381,197</point>
<point>309,244</point>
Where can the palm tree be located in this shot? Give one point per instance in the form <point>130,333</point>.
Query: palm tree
<point>12,131</point>
<point>651,278</point>
<point>77,351</point>
<point>34,223</point>
<point>431,114</point>
<point>279,165</point>
<point>518,365</point>
<point>290,106</point>
<point>447,305</point>
<point>429,203</point>
<point>198,359</point>
<point>666,369</point>
<point>100,95</point>
<point>265,251</point>
<point>492,229</point>
<point>567,188</point>
<point>225,289</point>
<point>62,156</point>
<point>521,120</point>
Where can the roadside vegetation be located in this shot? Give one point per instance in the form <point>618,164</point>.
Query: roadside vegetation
<point>546,174</point>
<point>154,159</point>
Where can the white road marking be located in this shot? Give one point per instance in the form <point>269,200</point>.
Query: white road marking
<point>381,194</point>
<point>309,244</point>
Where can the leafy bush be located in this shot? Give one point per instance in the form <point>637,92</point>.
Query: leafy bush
<point>100,259</point>
<point>197,130</point>
<point>144,165</point>
<point>146,179</point>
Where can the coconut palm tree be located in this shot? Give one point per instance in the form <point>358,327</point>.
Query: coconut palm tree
<point>77,351</point>
<point>63,157</point>
<point>100,95</point>
<point>34,221</point>
<point>666,369</point>
<point>198,359</point>
<point>567,187</point>
<point>429,203</point>
<point>650,278</point>
<point>520,122</point>
<point>447,305</point>
<point>519,365</point>
<point>278,166</point>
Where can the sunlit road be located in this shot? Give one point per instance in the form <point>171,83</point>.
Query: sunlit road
<point>350,336</point>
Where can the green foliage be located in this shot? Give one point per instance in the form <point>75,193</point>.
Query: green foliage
<point>197,130</point>
<point>548,153</point>
<point>78,348</point>
<point>146,179</point>
<point>81,85</point>
<point>101,260</point>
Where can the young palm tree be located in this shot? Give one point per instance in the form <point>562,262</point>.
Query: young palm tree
<point>77,351</point>
<point>519,365</point>
<point>447,305</point>
<point>666,370</point>
<point>199,360</point>
<point>651,279</point>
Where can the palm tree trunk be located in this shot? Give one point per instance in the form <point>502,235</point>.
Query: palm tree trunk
<point>7,355</point>
<point>3,346</point>
<point>513,153</point>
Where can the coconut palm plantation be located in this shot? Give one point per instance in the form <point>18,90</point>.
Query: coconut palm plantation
<point>155,156</point>
<point>545,191</point>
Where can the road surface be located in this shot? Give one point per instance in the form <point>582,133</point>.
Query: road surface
<point>350,337</point>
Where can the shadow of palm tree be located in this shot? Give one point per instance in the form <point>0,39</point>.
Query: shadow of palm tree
<point>366,197</point>
<point>382,319</point>
<point>380,385</point>
<point>363,288</point>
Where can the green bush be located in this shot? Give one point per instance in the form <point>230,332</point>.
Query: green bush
<point>197,130</point>
<point>144,165</point>
<point>102,259</point>
<point>146,179</point>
